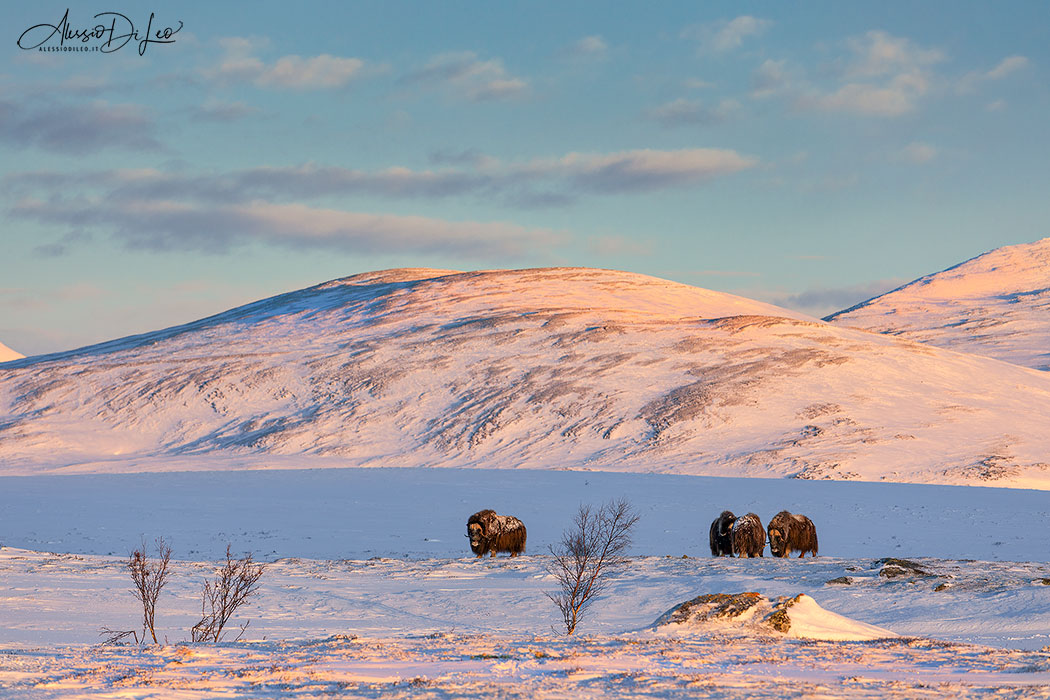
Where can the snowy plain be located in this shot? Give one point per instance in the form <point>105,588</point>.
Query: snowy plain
<point>370,588</point>
<point>344,433</point>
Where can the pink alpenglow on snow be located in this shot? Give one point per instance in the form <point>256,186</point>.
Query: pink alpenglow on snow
<point>560,368</point>
<point>7,354</point>
<point>996,305</point>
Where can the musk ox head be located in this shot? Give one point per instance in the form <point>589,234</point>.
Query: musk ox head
<point>777,541</point>
<point>790,532</point>
<point>725,523</point>
<point>478,526</point>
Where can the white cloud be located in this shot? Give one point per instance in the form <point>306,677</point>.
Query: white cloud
<point>465,75</point>
<point>727,35</point>
<point>593,47</point>
<point>917,152</point>
<point>298,73</point>
<point>241,64</point>
<point>769,79</point>
<point>1008,66</point>
<point>892,100</point>
<point>643,169</point>
<point>162,224</point>
<point>732,34</point>
<point>885,77</point>
<point>877,53</point>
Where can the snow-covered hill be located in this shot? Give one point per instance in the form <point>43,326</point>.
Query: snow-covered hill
<point>7,354</point>
<point>550,368</point>
<point>997,305</point>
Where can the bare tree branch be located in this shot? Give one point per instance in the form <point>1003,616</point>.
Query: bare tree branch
<point>591,553</point>
<point>149,578</point>
<point>237,581</point>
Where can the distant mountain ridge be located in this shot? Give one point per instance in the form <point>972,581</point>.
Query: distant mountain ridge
<point>996,304</point>
<point>7,354</point>
<point>550,368</point>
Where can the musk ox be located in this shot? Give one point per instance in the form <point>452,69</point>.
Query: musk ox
<point>721,538</point>
<point>789,532</point>
<point>489,532</point>
<point>748,537</point>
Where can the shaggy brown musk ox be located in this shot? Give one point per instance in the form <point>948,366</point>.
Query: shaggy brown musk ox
<point>749,539</point>
<point>721,535</point>
<point>489,532</point>
<point>789,532</point>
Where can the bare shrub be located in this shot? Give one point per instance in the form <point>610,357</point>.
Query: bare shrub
<point>591,553</point>
<point>237,581</point>
<point>116,637</point>
<point>149,578</point>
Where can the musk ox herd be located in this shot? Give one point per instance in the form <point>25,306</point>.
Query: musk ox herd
<point>744,536</point>
<point>731,536</point>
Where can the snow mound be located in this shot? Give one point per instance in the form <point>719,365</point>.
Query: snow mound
<point>996,304</point>
<point>751,614</point>
<point>563,368</point>
<point>7,354</point>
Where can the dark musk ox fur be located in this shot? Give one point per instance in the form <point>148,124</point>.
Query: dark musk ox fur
<point>489,532</point>
<point>749,539</point>
<point>789,532</point>
<point>721,535</point>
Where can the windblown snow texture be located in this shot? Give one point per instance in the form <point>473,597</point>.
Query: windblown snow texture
<point>550,368</point>
<point>996,305</point>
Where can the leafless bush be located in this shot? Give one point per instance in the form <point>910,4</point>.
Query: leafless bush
<point>589,555</point>
<point>237,581</point>
<point>116,637</point>
<point>149,578</point>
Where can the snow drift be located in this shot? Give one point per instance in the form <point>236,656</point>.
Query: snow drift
<point>752,614</point>
<point>550,368</point>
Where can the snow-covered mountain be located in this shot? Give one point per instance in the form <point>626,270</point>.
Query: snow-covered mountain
<point>550,368</point>
<point>7,354</point>
<point>997,305</point>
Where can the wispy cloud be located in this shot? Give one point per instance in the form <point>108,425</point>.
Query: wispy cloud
<point>1008,66</point>
<point>589,47</point>
<point>727,35</point>
<point>527,183</point>
<point>917,152</point>
<point>80,130</point>
<point>167,225</point>
<point>293,72</point>
<point>683,112</point>
<point>877,53</point>
<point>770,78</point>
<point>822,301</point>
<point>884,76</point>
<point>213,111</point>
<point>896,98</point>
<point>641,170</point>
<point>464,75</point>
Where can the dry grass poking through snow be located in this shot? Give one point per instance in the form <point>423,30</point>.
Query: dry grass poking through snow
<point>460,666</point>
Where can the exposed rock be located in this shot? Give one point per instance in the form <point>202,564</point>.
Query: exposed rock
<point>711,606</point>
<point>895,568</point>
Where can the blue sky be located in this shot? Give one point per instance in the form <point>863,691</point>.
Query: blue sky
<point>810,155</point>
